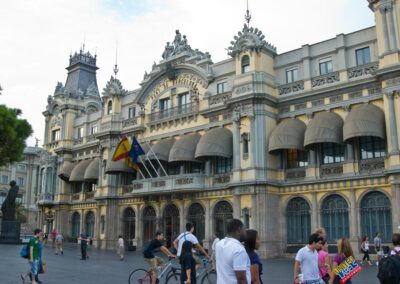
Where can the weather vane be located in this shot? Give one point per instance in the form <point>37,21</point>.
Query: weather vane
<point>247,17</point>
<point>116,59</point>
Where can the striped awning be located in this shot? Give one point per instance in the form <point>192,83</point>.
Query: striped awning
<point>325,127</point>
<point>161,150</point>
<point>78,173</point>
<point>65,171</point>
<point>217,142</point>
<point>92,171</point>
<point>288,134</point>
<point>184,148</point>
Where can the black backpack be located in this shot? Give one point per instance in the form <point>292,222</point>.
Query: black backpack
<point>389,270</point>
<point>147,248</point>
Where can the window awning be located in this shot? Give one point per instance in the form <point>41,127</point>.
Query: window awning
<point>66,170</point>
<point>364,120</point>
<point>325,127</point>
<point>184,148</point>
<point>216,142</point>
<point>161,150</point>
<point>288,134</point>
<point>78,173</point>
<point>92,171</point>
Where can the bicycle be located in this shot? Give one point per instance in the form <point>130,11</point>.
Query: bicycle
<point>141,276</point>
<point>207,274</point>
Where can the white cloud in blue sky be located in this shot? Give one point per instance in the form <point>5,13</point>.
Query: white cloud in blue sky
<point>37,37</point>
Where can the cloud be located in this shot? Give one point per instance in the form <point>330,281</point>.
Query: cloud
<point>41,34</point>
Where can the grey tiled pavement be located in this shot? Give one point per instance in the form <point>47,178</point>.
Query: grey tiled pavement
<point>103,267</point>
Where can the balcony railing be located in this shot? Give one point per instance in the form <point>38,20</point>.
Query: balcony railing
<point>362,70</point>
<point>221,179</point>
<point>46,197</point>
<point>291,87</point>
<point>89,195</point>
<point>326,79</point>
<point>174,112</point>
<point>76,197</point>
<point>372,165</point>
<point>295,173</point>
<point>331,169</point>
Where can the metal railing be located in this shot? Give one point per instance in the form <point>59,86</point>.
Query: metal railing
<point>174,112</point>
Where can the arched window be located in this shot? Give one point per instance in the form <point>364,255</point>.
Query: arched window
<point>102,224</point>
<point>109,107</point>
<point>335,217</point>
<point>196,216</point>
<point>223,213</point>
<point>129,221</point>
<point>76,225</point>
<point>89,224</point>
<point>149,223</point>
<point>246,217</point>
<point>376,216</point>
<point>171,223</point>
<point>245,64</point>
<point>298,221</point>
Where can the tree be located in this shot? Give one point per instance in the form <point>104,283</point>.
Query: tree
<point>13,133</point>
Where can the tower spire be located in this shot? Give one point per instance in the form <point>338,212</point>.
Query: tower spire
<point>247,16</point>
<point>116,59</point>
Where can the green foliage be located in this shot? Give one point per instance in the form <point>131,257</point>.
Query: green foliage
<point>20,213</point>
<point>13,133</point>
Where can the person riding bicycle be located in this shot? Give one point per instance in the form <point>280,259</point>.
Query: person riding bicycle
<point>151,259</point>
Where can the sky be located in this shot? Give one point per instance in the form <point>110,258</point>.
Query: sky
<point>37,37</point>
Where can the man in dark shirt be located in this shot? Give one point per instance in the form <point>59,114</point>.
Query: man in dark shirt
<point>151,259</point>
<point>84,240</point>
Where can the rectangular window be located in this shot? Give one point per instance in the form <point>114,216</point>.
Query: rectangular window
<point>80,132</point>
<point>184,99</point>
<point>165,108</point>
<point>131,112</point>
<point>55,135</point>
<point>291,75</point>
<point>20,181</point>
<point>325,66</point>
<point>296,159</point>
<point>4,179</point>
<point>332,153</point>
<point>93,129</point>
<point>372,147</point>
<point>223,165</point>
<point>21,167</point>
<point>363,56</point>
<point>222,87</point>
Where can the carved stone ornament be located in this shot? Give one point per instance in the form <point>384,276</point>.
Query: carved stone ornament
<point>114,88</point>
<point>55,121</point>
<point>92,90</point>
<point>249,39</point>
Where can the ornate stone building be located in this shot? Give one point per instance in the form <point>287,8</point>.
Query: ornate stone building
<point>286,142</point>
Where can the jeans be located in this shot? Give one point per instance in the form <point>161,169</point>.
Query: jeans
<point>317,281</point>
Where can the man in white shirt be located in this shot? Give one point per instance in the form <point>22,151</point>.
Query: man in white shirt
<point>188,236</point>
<point>306,262</point>
<point>233,263</point>
<point>396,244</point>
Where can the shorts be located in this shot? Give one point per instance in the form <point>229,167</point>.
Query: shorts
<point>154,262</point>
<point>35,267</point>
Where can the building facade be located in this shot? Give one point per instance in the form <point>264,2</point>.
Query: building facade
<point>286,142</point>
<point>26,175</point>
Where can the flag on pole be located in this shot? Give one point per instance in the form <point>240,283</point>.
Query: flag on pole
<point>135,151</point>
<point>122,150</point>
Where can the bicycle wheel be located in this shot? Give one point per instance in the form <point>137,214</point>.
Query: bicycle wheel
<point>174,278</point>
<point>174,270</point>
<point>139,276</point>
<point>209,278</point>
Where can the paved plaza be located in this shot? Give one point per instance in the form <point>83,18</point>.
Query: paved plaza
<point>104,267</point>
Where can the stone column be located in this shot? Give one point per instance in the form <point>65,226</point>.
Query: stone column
<point>252,142</point>
<point>385,29</point>
<point>236,205</point>
<point>138,227</point>
<point>208,225</point>
<point>314,212</point>
<point>392,124</point>
<point>236,144</point>
<point>260,143</point>
<point>182,224</point>
<point>207,168</point>
<point>391,27</point>
<point>254,221</point>
<point>353,216</point>
<point>396,206</point>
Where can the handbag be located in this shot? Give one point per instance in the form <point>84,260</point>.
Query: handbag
<point>42,267</point>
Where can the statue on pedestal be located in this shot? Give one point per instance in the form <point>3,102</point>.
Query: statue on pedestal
<point>8,206</point>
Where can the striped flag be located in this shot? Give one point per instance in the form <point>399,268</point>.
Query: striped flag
<point>122,149</point>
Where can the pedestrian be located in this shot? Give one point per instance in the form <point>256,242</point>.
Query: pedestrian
<point>251,244</point>
<point>189,236</point>
<point>396,244</point>
<point>84,242</point>
<point>151,259</point>
<point>45,238</point>
<point>378,247</point>
<point>324,262</point>
<point>33,257</point>
<point>344,251</point>
<point>40,252</point>
<point>53,235</point>
<point>233,263</point>
<point>306,262</point>
<point>188,264</point>
<point>321,232</point>
<point>59,243</point>
<point>121,248</point>
<point>216,237</point>
<point>365,250</point>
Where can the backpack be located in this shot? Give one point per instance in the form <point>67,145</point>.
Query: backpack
<point>147,248</point>
<point>24,251</point>
<point>389,270</point>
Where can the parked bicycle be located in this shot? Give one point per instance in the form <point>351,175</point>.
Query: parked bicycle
<point>143,276</point>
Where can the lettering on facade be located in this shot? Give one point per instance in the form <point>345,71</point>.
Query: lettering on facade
<point>243,89</point>
<point>182,181</point>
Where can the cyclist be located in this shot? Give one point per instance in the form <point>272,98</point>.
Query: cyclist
<point>151,259</point>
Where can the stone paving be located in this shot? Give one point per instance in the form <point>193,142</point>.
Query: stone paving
<point>105,267</point>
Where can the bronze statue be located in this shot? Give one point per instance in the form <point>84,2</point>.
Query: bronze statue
<point>8,207</point>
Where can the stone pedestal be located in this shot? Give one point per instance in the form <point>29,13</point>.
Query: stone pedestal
<point>10,232</point>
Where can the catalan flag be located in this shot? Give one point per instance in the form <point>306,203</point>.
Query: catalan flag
<point>122,149</point>
<point>135,151</point>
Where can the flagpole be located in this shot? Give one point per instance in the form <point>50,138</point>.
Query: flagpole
<point>144,165</point>
<point>150,149</point>
<point>151,164</point>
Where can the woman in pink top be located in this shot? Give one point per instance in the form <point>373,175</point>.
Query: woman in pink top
<point>324,262</point>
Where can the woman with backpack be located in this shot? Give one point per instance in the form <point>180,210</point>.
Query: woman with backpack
<point>365,250</point>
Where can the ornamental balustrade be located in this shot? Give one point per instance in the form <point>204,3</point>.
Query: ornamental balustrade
<point>219,98</point>
<point>129,122</point>
<point>326,79</point>
<point>362,70</point>
<point>291,87</point>
<point>89,195</point>
<point>46,197</point>
<point>174,112</point>
<point>331,169</point>
<point>295,173</point>
<point>371,165</point>
<point>76,196</point>
<point>221,179</point>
